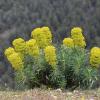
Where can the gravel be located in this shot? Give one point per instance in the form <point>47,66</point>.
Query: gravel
<point>58,94</point>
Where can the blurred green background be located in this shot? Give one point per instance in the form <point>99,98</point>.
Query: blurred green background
<point>21,16</point>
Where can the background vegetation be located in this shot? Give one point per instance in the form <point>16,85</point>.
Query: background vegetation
<point>22,16</point>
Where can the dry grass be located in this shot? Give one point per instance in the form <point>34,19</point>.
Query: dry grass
<point>39,94</point>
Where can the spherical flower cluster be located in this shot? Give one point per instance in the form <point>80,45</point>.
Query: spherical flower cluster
<point>68,42</point>
<point>19,45</point>
<point>77,36</point>
<point>95,57</point>
<point>43,36</point>
<point>32,48</point>
<point>50,55</point>
<point>14,58</point>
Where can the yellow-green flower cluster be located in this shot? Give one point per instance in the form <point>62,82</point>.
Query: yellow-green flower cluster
<point>50,55</point>
<point>19,45</point>
<point>48,34</point>
<point>21,48</point>
<point>77,36</point>
<point>9,51</point>
<point>14,58</point>
<point>43,36</point>
<point>32,48</point>
<point>68,42</point>
<point>95,57</point>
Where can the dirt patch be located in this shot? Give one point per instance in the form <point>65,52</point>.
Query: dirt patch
<point>39,94</point>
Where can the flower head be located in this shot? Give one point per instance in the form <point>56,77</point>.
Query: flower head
<point>9,51</point>
<point>78,38</point>
<point>19,45</point>
<point>80,43</point>
<point>68,42</point>
<point>32,48</point>
<point>95,57</point>
<point>15,61</point>
<point>50,55</point>
<point>76,30</point>
<point>42,36</point>
<point>47,33</point>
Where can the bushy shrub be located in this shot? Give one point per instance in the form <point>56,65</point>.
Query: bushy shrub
<point>74,63</point>
<point>39,62</point>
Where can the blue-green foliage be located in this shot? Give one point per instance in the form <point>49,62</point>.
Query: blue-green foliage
<point>72,70</point>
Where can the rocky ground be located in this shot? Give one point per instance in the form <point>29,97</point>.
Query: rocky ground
<point>40,94</point>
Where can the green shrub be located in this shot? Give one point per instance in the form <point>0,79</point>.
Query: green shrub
<point>75,66</point>
<point>72,71</point>
<point>61,66</point>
